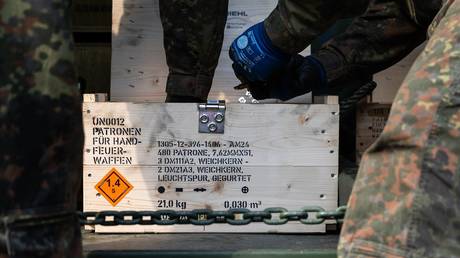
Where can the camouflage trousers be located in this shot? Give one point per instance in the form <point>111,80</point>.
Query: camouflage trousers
<point>193,36</point>
<point>40,236</point>
<point>41,134</point>
<point>406,199</point>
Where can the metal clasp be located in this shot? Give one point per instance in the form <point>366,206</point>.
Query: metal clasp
<point>211,116</point>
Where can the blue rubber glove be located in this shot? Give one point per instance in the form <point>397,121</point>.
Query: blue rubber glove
<point>301,75</point>
<point>254,56</point>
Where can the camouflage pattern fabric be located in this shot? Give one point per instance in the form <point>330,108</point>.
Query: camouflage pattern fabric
<point>405,202</point>
<point>193,37</point>
<point>41,133</point>
<point>379,38</point>
<point>294,24</point>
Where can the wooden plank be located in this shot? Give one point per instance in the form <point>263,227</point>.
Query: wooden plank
<point>389,80</point>
<point>332,100</point>
<point>291,227</point>
<point>139,67</point>
<point>136,20</point>
<point>266,182</point>
<point>97,97</point>
<point>291,132</point>
<point>289,187</point>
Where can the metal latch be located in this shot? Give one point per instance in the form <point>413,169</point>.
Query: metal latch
<point>211,116</point>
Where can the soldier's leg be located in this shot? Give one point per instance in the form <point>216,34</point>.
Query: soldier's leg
<point>40,131</point>
<point>193,36</point>
<point>405,202</point>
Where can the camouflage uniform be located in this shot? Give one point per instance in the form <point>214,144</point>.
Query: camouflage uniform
<point>41,133</point>
<point>405,202</point>
<point>193,36</point>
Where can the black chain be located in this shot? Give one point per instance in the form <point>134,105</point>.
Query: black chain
<point>310,215</point>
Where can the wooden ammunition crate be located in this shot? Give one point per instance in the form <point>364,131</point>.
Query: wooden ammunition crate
<point>370,122</point>
<point>139,69</point>
<point>150,156</point>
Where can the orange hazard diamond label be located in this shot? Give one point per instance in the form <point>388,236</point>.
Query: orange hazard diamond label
<point>114,187</point>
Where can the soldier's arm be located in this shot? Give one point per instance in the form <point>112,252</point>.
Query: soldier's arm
<point>294,24</point>
<point>378,39</point>
<point>267,46</point>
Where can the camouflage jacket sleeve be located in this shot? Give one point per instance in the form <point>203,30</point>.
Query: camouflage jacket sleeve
<point>374,41</point>
<point>294,24</point>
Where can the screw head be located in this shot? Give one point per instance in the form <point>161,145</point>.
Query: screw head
<point>212,127</point>
<point>204,119</point>
<point>245,189</point>
<point>219,118</point>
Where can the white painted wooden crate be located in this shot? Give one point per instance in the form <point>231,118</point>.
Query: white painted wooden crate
<point>282,155</point>
<point>139,69</point>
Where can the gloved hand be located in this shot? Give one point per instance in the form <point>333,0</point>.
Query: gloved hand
<point>254,56</point>
<point>301,75</point>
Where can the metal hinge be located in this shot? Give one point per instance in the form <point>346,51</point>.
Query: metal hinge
<point>211,116</point>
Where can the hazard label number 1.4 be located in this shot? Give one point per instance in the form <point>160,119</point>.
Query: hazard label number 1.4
<point>114,187</point>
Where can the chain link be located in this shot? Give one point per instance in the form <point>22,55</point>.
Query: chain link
<point>276,220</point>
<point>310,215</point>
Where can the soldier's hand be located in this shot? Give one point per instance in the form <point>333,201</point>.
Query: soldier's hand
<point>254,56</point>
<point>301,75</point>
